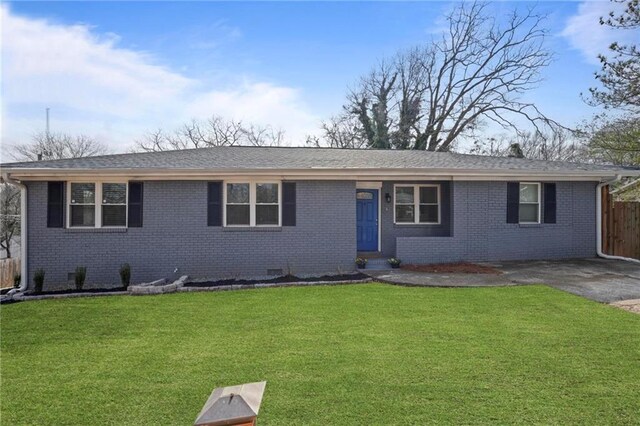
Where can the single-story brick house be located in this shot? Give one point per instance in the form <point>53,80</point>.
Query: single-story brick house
<point>248,211</point>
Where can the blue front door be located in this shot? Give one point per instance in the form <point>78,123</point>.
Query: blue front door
<point>367,219</point>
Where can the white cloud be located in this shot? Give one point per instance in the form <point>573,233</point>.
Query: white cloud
<point>70,66</point>
<point>212,35</point>
<point>95,87</point>
<point>584,32</point>
<point>261,103</point>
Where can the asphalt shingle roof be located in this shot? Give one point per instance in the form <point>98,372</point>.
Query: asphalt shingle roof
<point>270,158</point>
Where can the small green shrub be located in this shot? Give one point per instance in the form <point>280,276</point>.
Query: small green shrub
<point>38,280</point>
<point>361,262</point>
<point>394,262</point>
<point>125,274</point>
<point>79,276</point>
<point>17,278</point>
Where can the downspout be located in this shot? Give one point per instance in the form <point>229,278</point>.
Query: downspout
<point>23,234</point>
<point>599,224</point>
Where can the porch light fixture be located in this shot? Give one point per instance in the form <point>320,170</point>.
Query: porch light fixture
<point>387,197</point>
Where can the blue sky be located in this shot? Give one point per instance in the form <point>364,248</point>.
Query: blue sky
<point>115,69</point>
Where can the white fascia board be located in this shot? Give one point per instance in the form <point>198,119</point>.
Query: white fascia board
<point>314,174</point>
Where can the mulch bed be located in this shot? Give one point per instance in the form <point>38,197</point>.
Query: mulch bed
<point>280,280</point>
<point>453,268</point>
<point>84,290</point>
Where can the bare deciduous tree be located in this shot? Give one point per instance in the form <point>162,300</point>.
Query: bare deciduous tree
<point>52,146</point>
<point>342,131</point>
<point>477,71</point>
<point>560,145</point>
<point>55,146</point>
<point>9,216</point>
<point>216,131</point>
<point>370,104</point>
<point>254,135</point>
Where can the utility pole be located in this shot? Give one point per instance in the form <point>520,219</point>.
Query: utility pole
<point>40,154</point>
<point>47,124</point>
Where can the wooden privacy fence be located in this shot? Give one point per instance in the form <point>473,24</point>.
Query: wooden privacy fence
<point>8,269</point>
<point>620,226</point>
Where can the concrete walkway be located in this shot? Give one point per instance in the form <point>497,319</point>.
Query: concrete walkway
<point>597,279</point>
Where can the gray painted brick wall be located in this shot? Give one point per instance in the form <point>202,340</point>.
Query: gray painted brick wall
<point>390,231</point>
<point>175,235</point>
<point>480,231</point>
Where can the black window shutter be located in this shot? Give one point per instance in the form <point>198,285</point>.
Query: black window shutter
<point>513,202</point>
<point>288,204</point>
<point>136,190</point>
<point>549,198</point>
<point>214,204</point>
<point>55,205</point>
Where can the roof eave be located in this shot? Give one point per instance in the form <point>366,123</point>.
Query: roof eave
<point>307,174</point>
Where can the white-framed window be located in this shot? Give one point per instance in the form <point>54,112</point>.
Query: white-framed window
<point>82,204</point>
<point>238,204</point>
<point>252,203</point>
<point>97,204</point>
<point>114,204</point>
<point>529,209</point>
<point>267,204</point>
<point>416,204</point>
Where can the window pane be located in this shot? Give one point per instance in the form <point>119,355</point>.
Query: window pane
<point>267,193</point>
<point>429,195</point>
<point>404,214</point>
<point>266,215</point>
<point>528,193</point>
<point>429,214</point>
<point>83,193</point>
<point>404,195</point>
<point>237,193</point>
<point>238,215</point>
<point>361,195</point>
<point>83,215</point>
<point>529,213</point>
<point>114,193</point>
<point>114,215</point>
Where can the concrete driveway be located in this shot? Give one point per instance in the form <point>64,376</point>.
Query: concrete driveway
<point>597,279</point>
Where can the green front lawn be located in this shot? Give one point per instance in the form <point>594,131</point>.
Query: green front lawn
<point>358,354</point>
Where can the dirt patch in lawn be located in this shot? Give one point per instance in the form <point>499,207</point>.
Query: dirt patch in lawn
<point>628,305</point>
<point>453,268</point>
<point>280,280</point>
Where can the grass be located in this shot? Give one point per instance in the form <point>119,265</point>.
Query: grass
<point>359,354</point>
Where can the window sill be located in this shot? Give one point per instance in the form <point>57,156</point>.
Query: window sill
<point>415,225</point>
<point>252,228</point>
<point>530,225</point>
<point>95,230</point>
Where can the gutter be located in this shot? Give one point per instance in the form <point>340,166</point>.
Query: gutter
<point>599,224</point>
<point>42,173</point>
<point>23,234</point>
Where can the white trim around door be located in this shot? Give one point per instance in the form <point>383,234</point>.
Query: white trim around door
<point>377,186</point>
